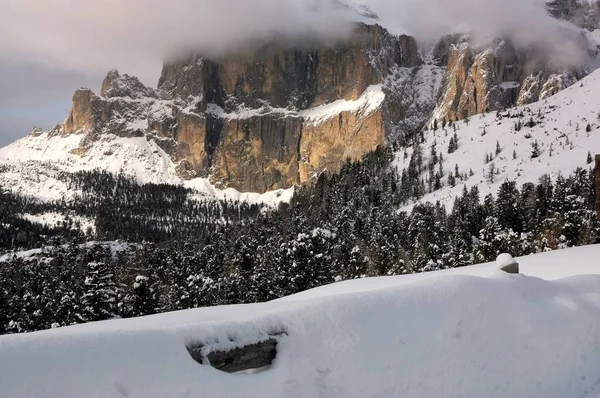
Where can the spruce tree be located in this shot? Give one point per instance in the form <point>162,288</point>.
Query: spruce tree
<point>488,248</point>
<point>535,150</point>
<point>508,209</point>
<point>491,173</point>
<point>143,299</point>
<point>99,299</point>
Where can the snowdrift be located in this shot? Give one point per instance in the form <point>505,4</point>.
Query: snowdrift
<point>472,332</point>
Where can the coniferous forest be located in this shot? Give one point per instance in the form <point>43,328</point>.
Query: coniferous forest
<point>154,249</point>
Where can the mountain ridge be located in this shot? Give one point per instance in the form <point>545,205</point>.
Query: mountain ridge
<point>261,123</point>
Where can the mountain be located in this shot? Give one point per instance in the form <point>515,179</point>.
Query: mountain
<point>583,13</point>
<point>521,144</point>
<point>282,113</point>
<point>469,332</point>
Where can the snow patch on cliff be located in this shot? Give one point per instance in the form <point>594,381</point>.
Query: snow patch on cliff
<point>370,100</point>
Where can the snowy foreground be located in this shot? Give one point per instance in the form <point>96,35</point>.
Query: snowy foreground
<point>471,332</point>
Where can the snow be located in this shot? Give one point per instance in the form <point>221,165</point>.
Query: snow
<point>47,251</point>
<point>509,85</point>
<point>53,219</point>
<point>470,332</point>
<point>362,14</point>
<point>33,167</point>
<point>504,260</point>
<point>417,90</point>
<point>561,135</point>
<point>369,101</point>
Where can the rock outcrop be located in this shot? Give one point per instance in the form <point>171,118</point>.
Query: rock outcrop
<point>280,114</point>
<point>497,76</point>
<point>583,13</point>
<point>268,119</point>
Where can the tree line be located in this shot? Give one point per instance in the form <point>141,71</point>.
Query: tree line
<point>186,254</point>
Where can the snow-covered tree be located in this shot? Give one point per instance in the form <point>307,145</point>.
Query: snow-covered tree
<point>99,299</point>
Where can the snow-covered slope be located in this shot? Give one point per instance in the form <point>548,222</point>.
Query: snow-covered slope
<point>33,165</point>
<point>560,127</point>
<point>471,332</point>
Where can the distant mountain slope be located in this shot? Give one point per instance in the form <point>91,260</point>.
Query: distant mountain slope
<point>566,127</point>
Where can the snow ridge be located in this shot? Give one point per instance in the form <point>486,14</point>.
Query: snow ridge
<point>472,332</point>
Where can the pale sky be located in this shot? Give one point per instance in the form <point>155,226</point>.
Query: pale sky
<point>50,48</point>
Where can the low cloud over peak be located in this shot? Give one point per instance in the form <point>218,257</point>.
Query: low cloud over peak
<point>135,35</point>
<point>84,39</point>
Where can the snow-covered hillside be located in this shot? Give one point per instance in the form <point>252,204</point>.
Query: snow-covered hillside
<point>32,166</point>
<point>470,332</point>
<point>565,127</point>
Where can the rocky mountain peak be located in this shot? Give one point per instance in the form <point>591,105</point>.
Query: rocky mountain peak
<point>583,13</point>
<point>116,85</point>
<point>267,119</point>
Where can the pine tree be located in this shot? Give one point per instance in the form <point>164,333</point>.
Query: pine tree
<point>491,173</point>
<point>460,253</point>
<point>589,158</point>
<point>451,179</point>
<point>4,310</point>
<point>488,246</point>
<point>453,144</point>
<point>357,264</point>
<point>508,207</point>
<point>99,300</point>
<point>535,149</point>
<point>498,149</point>
<point>143,299</point>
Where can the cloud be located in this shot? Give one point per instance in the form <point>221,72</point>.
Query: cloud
<point>136,35</point>
<point>48,48</point>
<point>95,36</point>
<point>526,22</point>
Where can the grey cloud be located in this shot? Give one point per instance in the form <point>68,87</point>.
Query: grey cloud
<point>50,48</point>
<point>525,22</point>
<point>135,35</point>
<point>36,95</point>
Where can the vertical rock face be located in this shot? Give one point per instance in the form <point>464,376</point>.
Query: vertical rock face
<point>325,146</point>
<point>268,119</point>
<point>81,117</point>
<point>496,77</point>
<point>291,78</point>
<point>585,14</point>
<point>259,153</point>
